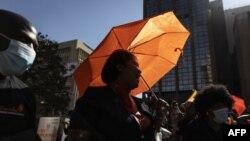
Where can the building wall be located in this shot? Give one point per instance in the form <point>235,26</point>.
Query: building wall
<point>194,68</point>
<point>242,51</point>
<point>73,52</point>
<point>230,18</point>
<point>237,23</point>
<point>221,60</point>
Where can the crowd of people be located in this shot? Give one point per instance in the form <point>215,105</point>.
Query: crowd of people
<point>105,113</point>
<point>206,117</point>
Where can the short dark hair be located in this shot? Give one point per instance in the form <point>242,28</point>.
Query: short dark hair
<point>118,57</point>
<point>210,95</point>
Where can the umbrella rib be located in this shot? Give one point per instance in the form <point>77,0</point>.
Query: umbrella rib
<point>118,41</point>
<point>152,92</point>
<point>154,38</point>
<point>155,56</point>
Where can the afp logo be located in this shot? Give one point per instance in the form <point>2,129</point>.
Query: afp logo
<point>237,132</point>
<point>241,132</point>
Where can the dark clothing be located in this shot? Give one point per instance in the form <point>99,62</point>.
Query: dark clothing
<point>200,130</point>
<point>103,111</point>
<point>17,113</point>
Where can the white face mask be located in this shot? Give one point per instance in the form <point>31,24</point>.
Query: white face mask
<point>16,59</point>
<point>221,115</point>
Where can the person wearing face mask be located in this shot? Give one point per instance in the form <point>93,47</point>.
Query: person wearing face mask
<point>18,37</point>
<point>213,104</point>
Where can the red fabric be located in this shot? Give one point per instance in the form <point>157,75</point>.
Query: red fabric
<point>239,105</point>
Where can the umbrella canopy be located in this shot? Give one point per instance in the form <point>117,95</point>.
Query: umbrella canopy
<point>157,42</point>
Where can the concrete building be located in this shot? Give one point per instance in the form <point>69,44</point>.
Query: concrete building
<point>73,52</point>
<point>241,30</point>
<point>221,59</point>
<point>238,28</point>
<point>230,19</point>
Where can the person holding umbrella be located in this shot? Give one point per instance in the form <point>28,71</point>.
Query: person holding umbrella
<point>110,113</point>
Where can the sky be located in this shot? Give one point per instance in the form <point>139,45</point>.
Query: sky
<point>229,4</point>
<point>86,20</point>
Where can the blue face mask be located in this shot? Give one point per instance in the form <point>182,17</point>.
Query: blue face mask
<point>16,59</point>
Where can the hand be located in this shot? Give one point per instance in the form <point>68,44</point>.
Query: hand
<point>158,103</point>
<point>160,107</point>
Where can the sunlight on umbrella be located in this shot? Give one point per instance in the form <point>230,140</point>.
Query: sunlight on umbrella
<point>157,42</point>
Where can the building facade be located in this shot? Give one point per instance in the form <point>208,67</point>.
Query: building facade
<point>230,15</point>
<point>241,30</point>
<point>73,52</point>
<point>216,51</point>
<point>194,69</point>
<point>221,58</point>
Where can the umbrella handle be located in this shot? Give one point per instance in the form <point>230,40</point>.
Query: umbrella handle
<point>159,109</point>
<point>151,91</point>
<point>182,54</point>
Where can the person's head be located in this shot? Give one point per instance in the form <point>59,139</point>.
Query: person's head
<point>18,37</point>
<point>121,68</point>
<point>214,101</point>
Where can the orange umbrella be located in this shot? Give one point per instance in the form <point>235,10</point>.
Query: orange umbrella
<point>157,43</point>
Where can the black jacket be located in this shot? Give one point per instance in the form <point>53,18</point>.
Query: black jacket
<point>17,113</point>
<point>200,130</point>
<point>105,116</point>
